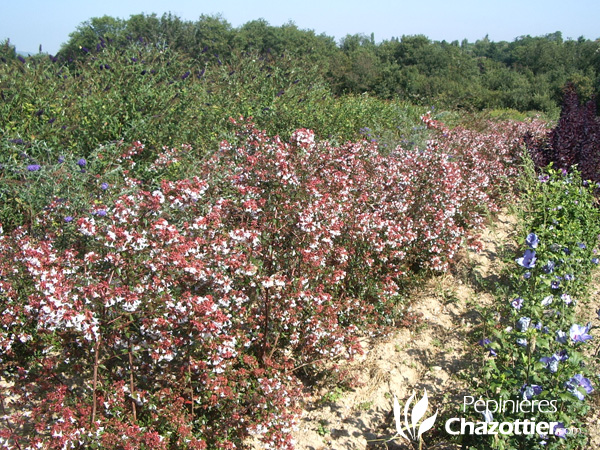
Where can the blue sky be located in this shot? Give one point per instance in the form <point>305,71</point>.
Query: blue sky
<point>29,23</point>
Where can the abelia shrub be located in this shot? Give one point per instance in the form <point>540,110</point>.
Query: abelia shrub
<point>177,316</point>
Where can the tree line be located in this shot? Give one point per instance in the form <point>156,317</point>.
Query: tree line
<point>526,74</point>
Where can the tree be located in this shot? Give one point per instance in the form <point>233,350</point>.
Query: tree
<point>92,35</point>
<point>7,51</point>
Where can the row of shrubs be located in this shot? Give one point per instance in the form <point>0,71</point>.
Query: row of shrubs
<point>182,315</point>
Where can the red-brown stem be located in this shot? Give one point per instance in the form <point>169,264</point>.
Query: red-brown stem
<point>191,386</point>
<point>95,379</point>
<point>131,384</point>
<point>7,421</point>
<point>266,326</point>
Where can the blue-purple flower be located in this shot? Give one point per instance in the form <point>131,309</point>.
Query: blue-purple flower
<point>559,430</point>
<point>517,303</point>
<point>532,240</point>
<point>561,337</point>
<point>548,300</point>
<point>595,260</point>
<point>68,219</point>
<point>579,333</point>
<point>82,162</point>
<point>528,391</point>
<point>485,341</point>
<point>576,382</point>
<point>523,324</point>
<point>549,267</point>
<point>528,259</point>
<point>104,186</point>
<point>33,167</point>
<point>551,362</point>
<point>567,299</point>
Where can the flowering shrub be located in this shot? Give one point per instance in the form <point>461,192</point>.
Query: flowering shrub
<point>538,350</point>
<point>178,315</point>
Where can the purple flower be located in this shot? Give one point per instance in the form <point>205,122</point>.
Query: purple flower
<point>20,58</point>
<point>522,342</point>
<point>581,245</point>
<point>517,303</point>
<point>527,275</point>
<point>68,219</point>
<point>33,167</point>
<point>576,382</point>
<point>551,362</point>
<point>185,75</point>
<point>567,299</point>
<point>555,284</point>
<point>101,212</point>
<point>528,391</point>
<point>523,324</point>
<point>528,259</point>
<point>548,300</point>
<point>559,430</point>
<point>532,240</point>
<point>579,333</point>
<point>61,159</point>
<point>549,267</point>
<point>595,260</point>
<point>82,162</point>
<point>104,186</point>
<point>544,178</point>
<point>485,341</point>
<point>561,337</point>
<point>569,277</point>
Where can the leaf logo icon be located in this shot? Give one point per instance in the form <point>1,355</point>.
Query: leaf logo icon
<point>410,431</point>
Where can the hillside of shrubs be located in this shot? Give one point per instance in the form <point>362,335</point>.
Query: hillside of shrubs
<point>525,74</point>
<point>190,236</point>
